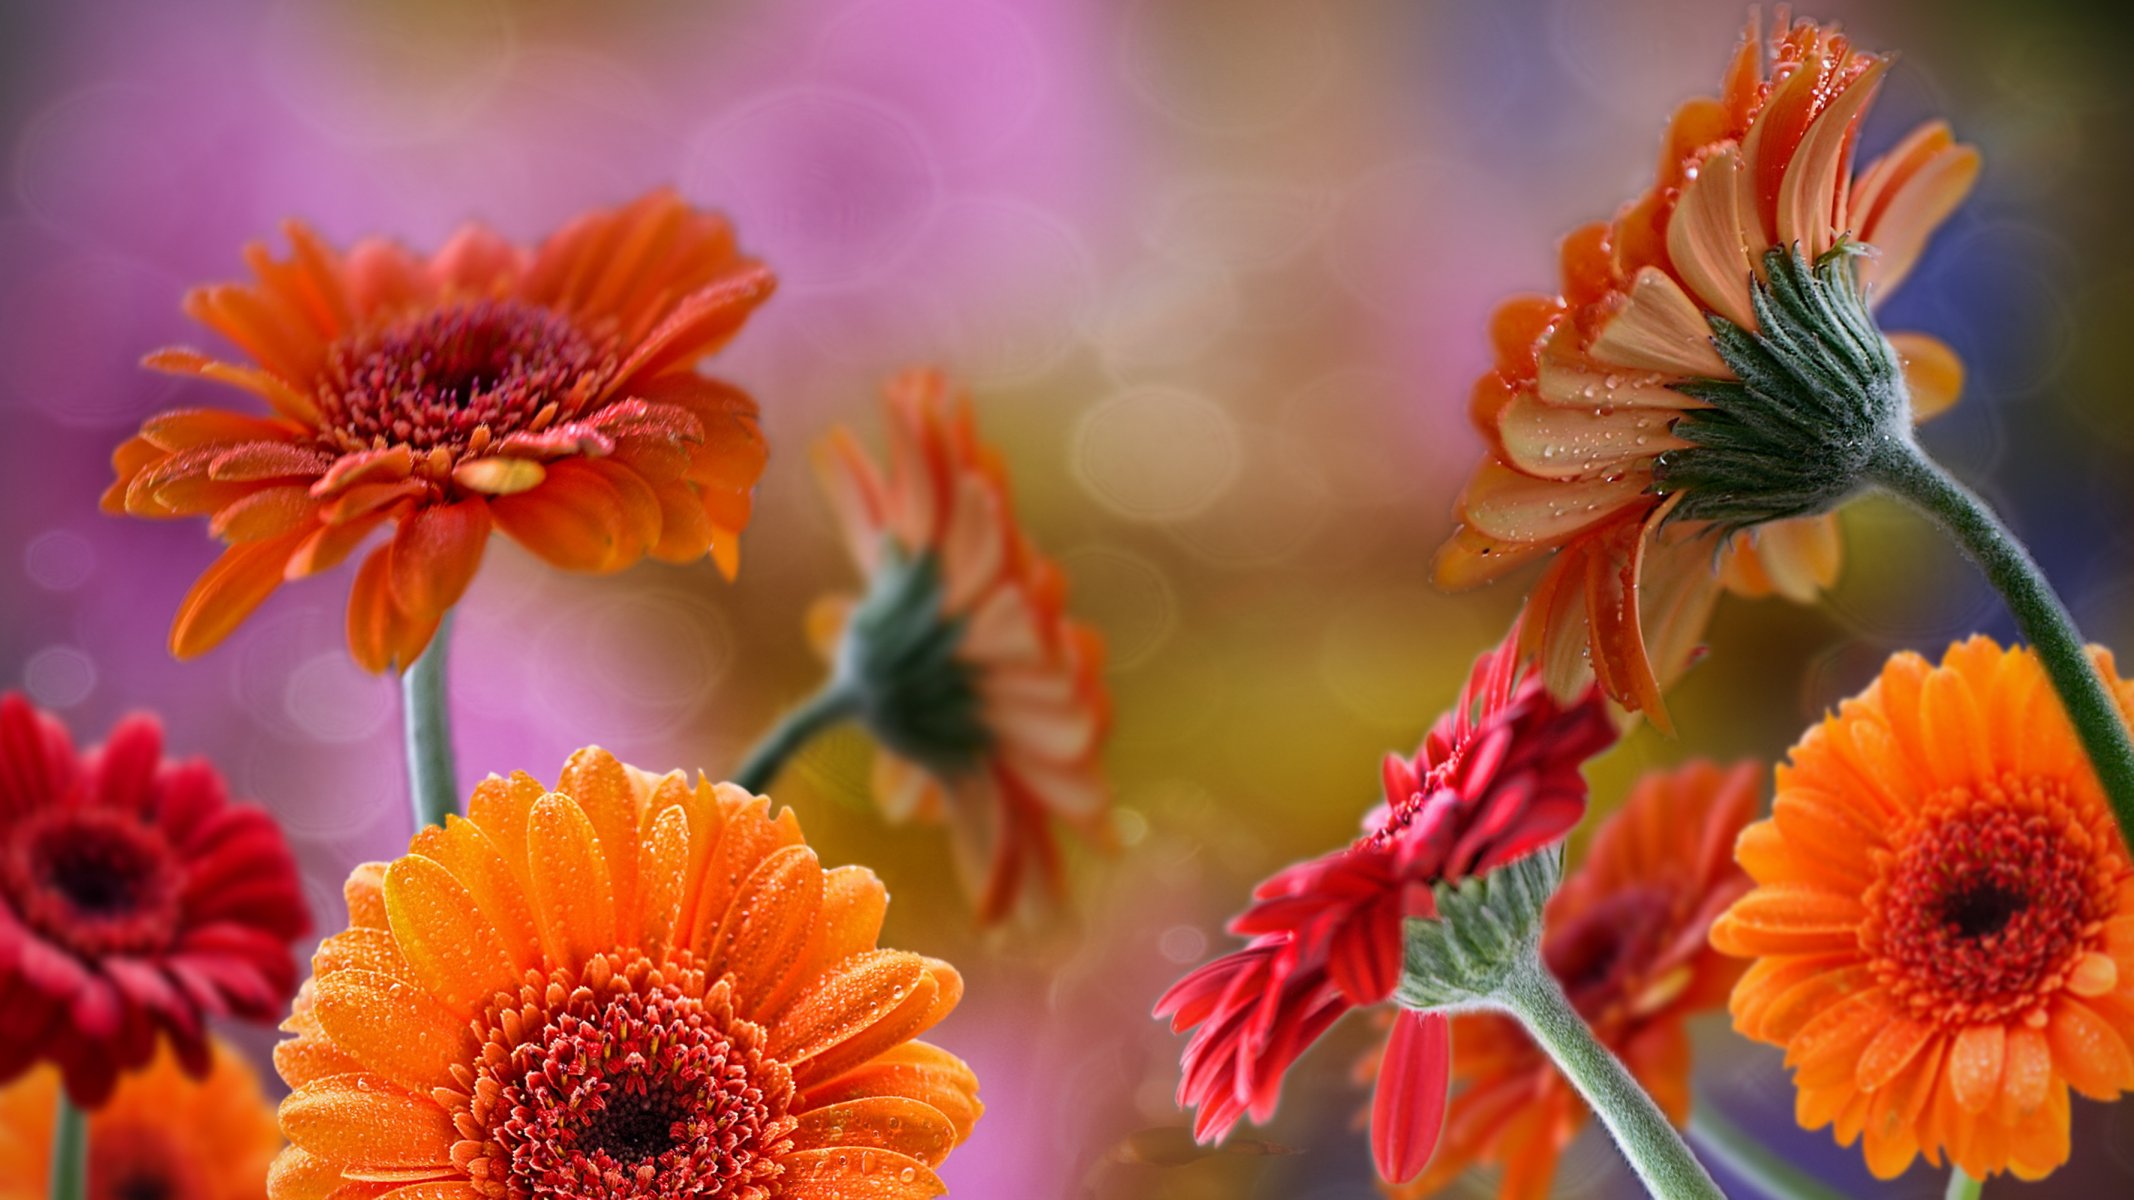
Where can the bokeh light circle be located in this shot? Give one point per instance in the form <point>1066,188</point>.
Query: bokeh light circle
<point>1156,453</point>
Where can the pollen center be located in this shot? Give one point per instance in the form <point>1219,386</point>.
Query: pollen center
<point>433,380</point>
<point>630,1082</point>
<point>1988,901</point>
<point>92,879</point>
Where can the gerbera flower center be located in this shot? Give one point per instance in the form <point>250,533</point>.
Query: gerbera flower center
<point>139,1162</point>
<point>1988,901</point>
<point>433,380</point>
<point>95,880</point>
<point>630,1083</point>
<point>1596,953</point>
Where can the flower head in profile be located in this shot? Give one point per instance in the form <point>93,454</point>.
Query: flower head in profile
<point>163,1134</point>
<point>1943,918</point>
<point>986,698</point>
<point>548,393</point>
<point>1497,779</point>
<point>136,902</point>
<point>1625,935</point>
<point>1682,415</point>
<point>629,986</point>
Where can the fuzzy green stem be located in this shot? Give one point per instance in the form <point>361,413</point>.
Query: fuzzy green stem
<point>1962,1186</point>
<point>1656,1151</point>
<point>433,782</point>
<point>1905,471</point>
<point>1723,1142</point>
<point>70,1150</point>
<point>837,701</point>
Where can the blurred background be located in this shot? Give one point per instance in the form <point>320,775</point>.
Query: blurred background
<point>1218,274</point>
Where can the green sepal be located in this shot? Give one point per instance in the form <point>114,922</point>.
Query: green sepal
<point>898,656</point>
<point>1485,927</point>
<point>1817,392</point>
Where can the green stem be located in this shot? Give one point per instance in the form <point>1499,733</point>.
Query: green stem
<point>1749,1160</point>
<point>1648,1139</point>
<point>1904,470</point>
<point>834,703</point>
<point>1962,1186</point>
<point>70,1150</point>
<point>433,783</point>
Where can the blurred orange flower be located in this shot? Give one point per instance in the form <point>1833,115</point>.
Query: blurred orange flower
<point>1626,937</point>
<point>1943,922</point>
<point>1584,400</point>
<point>988,700</point>
<point>626,987</point>
<point>548,393</point>
<point>163,1133</point>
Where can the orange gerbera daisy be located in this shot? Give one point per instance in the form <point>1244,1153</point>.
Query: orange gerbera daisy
<point>626,987</point>
<point>548,393</point>
<point>1601,416</point>
<point>1626,937</point>
<point>163,1134</point>
<point>1943,920</point>
<point>988,701</point>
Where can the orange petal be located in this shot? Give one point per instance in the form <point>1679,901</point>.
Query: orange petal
<point>435,554</point>
<point>455,953</point>
<point>861,1175</point>
<point>228,591</point>
<point>906,1126</point>
<point>396,1031</point>
<point>1660,329</point>
<point>573,896</point>
<point>2091,1055</point>
<point>1975,1061</point>
<point>361,1120</point>
<point>765,929</point>
<point>1933,374</point>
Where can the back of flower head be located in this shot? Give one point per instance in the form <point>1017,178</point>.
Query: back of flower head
<point>984,698</point>
<point>1497,778</point>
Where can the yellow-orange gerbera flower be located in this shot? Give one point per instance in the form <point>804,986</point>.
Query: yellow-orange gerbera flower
<point>1943,920</point>
<point>629,986</point>
<point>988,701</point>
<point>549,393</point>
<point>163,1133</point>
<point>1585,410</point>
<point>1626,936</point>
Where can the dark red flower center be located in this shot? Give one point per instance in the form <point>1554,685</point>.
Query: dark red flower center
<point>141,1162</point>
<point>1600,952</point>
<point>1988,900</point>
<point>636,1086</point>
<point>434,379</point>
<point>95,880</point>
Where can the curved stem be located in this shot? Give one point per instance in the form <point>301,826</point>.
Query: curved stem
<point>1730,1146</point>
<point>834,703</point>
<point>1904,470</point>
<point>1962,1186</point>
<point>1647,1138</point>
<point>433,782</point>
<point>70,1150</point>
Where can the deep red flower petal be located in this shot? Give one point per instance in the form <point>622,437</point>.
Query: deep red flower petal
<point>1408,1107</point>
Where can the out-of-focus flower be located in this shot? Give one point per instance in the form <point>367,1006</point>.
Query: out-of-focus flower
<point>626,987</point>
<point>163,1134</point>
<point>135,899</point>
<point>1497,778</point>
<point>1943,922</point>
<point>548,393</point>
<point>987,700</point>
<point>1701,383</point>
<point>1626,936</point>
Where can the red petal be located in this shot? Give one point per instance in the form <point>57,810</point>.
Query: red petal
<point>1408,1109</point>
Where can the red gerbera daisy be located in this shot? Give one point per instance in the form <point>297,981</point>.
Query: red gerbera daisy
<point>134,897</point>
<point>1497,778</point>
